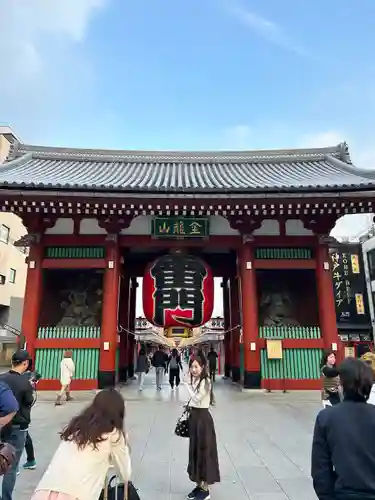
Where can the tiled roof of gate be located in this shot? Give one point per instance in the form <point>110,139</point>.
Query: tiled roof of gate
<point>34,167</point>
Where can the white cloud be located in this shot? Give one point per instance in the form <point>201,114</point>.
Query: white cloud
<point>38,51</point>
<point>349,226</point>
<point>352,226</point>
<point>362,155</point>
<point>323,139</point>
<point>238,137</point>
<point>27,27</point>
<point>265,28</point>
<point>365,158</point>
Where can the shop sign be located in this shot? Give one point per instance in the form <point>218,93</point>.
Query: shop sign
<point>349,286</point>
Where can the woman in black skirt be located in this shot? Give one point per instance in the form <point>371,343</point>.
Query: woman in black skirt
<point>203,468</point>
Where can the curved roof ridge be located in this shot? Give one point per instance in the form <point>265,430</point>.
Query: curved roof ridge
<point>350,168</point>
<point>173,156</point>
<point>144,152</point>
<point>15,162</point>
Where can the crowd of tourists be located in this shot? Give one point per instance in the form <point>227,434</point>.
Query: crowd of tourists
<point>343,449</point>
<point>97,437</point>
<point>171,363</point>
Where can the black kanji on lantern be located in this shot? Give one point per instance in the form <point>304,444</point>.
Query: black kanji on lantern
<point>178,285</point>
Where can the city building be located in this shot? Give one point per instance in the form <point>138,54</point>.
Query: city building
<point>259,220</point>
<point>367,241</point>
<point>146,333</point>
<point>13,268</point>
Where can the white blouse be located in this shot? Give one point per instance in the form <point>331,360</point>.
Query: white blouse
<point>200,397</point>
<point>66,371</point>
<point>80,473</point>
<point>371,399</point>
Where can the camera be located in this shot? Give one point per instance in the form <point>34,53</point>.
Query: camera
<point>35,377</point>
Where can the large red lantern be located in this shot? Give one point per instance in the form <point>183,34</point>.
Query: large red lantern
<point>178,290</point>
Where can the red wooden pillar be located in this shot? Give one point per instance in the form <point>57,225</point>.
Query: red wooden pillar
<point>132,314</point>
<point>33,298</point>
<point>124,323</point>
<point>326,299</point>
<point>108,340</point>
<point>227,335</point>
<point>249,302</point>
<point>235,330</point>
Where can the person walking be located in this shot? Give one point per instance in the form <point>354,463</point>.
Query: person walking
<point>14,433</point>
<point>212,358</point>
<point>159,362</point>
<point>90,443</point>
<point>331,381</point>
<point>30,463</point>
<point>203,467</point>
<point>67,369</point>
<point>142,367</point>
<point>343,451</point>
<point>174,364</point>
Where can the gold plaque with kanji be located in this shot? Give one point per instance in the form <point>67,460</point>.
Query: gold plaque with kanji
<point>274,349</point>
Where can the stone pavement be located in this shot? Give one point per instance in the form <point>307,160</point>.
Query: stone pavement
<point>264,442</point>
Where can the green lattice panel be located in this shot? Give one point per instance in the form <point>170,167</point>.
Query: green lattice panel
<point>74,253</point>
<point>48,361</point>
<point>289,332</point>
<point>296,364</point>
<point>69,332</point>
<point>283,253</point>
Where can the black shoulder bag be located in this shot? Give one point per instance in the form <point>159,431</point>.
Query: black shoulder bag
<point>119,491</point>
<point>182,426</point>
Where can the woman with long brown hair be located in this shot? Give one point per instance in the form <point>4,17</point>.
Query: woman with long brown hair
<point>89,443</point>
<point>203,467</point>
<point>331,381</point>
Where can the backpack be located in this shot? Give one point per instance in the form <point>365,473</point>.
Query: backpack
<point>173,363</point>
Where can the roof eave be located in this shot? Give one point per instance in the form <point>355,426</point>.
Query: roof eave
<point>353,191</point>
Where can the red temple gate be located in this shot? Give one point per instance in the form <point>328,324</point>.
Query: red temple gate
<point>96,219</point>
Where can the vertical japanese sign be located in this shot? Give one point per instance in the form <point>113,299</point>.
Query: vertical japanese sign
<point>349,285</point>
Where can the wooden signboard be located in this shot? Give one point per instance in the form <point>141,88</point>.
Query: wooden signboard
<point>180,227</point>
<point>349,352</point>
<point>274,349</point>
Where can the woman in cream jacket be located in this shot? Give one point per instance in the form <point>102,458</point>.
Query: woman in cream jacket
<point>90,444</point>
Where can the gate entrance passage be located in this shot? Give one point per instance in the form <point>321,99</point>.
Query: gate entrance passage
<point>98,220</point>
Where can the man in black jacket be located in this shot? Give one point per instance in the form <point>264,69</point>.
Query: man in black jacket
<point>159,362</point>
<point>15,432</point>
<point>212,358</point>
<point>343,450</point>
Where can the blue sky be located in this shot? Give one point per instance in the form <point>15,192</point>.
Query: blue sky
<point>202,74</point>
<point>197,74</point>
